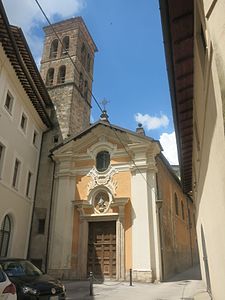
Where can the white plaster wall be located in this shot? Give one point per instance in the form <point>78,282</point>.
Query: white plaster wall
<point>209,159</point>
<point>18,145</point>
<point>141,256</point>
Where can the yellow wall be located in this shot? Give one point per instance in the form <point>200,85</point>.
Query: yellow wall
<point>178,238</point>
<point>123,180</point>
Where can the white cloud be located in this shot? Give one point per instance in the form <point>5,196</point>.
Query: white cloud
<point>27,15</point>
<point>150,122</point>
<point>168,142</point>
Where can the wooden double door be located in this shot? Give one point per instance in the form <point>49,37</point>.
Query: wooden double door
<point>102,249</point>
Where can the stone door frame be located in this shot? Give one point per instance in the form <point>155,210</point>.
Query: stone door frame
<point>83,236</point>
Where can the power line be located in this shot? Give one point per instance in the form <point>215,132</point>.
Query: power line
<point>56,34</point>
<point>96,101</point>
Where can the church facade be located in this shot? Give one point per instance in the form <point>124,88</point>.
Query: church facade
<point>117,205</point>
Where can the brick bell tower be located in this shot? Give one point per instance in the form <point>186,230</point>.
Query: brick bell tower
<point>69,86</point>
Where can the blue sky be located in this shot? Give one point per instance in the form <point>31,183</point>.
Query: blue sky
<point>129,69</point>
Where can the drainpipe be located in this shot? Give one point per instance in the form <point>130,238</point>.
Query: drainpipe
<point>159,206</point>
<point>49,215</point>
<point>189,229</point>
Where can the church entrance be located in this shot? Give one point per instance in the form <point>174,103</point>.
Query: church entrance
<point>102,249</point>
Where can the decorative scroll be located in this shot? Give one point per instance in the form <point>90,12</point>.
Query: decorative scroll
<point>102,179</point>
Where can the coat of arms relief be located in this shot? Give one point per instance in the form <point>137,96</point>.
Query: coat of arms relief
<point>101,189</point>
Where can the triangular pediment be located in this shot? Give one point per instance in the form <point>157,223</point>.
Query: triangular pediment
<point>103,135</point>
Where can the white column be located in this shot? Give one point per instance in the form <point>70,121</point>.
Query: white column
<point>141,252</point>
<point>62,222</point>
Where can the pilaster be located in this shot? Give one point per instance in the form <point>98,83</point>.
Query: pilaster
<point>62,226</point>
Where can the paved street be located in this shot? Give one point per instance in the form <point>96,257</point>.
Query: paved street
<point>185,286</point>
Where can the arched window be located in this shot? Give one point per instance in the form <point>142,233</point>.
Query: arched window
<point>54,49</point>
<point>81,83</point>
<point>62,74</point>
<point>65,45</point>
<point>86,90</point>
<point>176,204</point>
<point>5,236</point>
<point>50,77</point>
<point>83,55</point>
<point>102,161</point>
<point>88,62</point>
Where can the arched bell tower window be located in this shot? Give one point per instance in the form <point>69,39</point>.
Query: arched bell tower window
<point>50,77</point>
<point>54,49</point>
<point>83,54</point>
<point>102,161</point>
<point>62,74</point>
<point>86,90</point>
<point>5,233</point>
<point>88,62</point>
<point>65,45</point>
<point>81,83</point>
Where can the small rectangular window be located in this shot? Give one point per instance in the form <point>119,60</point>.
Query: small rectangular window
<point>28,184</point>
<point>16,173</point>
<point>23,122</point>
<point>35,135</point>
<point>176,204</point>
<point>182,210</point>
<point>189,218</point>
<point>41,226</point>
<point>56,139</point>
<point>9,102</point>
<point>2,153</point>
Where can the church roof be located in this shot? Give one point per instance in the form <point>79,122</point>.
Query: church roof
<point>108,125</point>
<point>21,59</point>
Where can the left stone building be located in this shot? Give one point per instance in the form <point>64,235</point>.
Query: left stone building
<point>25,108</point>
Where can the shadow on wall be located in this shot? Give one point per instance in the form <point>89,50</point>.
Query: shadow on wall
<point>190,274</point>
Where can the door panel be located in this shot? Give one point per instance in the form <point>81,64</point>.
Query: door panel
<point>102,249</point>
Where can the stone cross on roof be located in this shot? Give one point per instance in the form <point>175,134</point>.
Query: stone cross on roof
<point>104,102</point>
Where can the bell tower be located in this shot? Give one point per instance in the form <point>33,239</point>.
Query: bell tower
<point>69,83</point>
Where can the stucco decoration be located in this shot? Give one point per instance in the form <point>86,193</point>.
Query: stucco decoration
<point>102,179</point>
<point>101,145</point>
<point>101,202</point>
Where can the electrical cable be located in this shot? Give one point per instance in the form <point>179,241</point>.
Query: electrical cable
<point>67,53</point>
<point>96,101</point>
